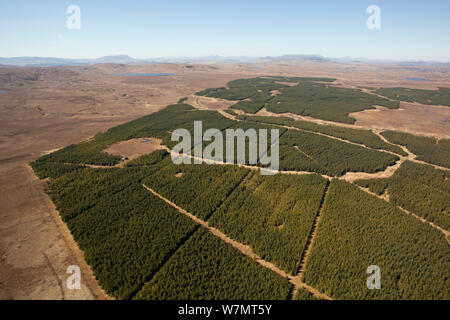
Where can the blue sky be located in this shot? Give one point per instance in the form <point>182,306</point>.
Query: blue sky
<point>410,30</point>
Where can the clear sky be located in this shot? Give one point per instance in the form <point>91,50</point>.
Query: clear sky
<point>410,29</point>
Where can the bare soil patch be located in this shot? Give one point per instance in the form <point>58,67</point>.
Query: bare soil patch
<point>134,148</point>
<point>411,117</point>
<point>290,84</point>
<point>274,93</point>
<point>208,103</point>
<point>389,172</point>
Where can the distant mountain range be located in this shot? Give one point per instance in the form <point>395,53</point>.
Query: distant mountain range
<point>45,62</point>
<point>124,59</point>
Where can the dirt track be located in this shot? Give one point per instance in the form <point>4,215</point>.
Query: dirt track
<point>246,250</point>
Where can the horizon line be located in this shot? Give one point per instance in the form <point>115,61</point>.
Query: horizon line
<point>357,59</point>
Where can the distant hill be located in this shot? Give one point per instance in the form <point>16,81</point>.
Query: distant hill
<point>38,61</point>
<point>297,57</point>
<point>115,59</point>
<point>50,61</point>
<point>125,59</point>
